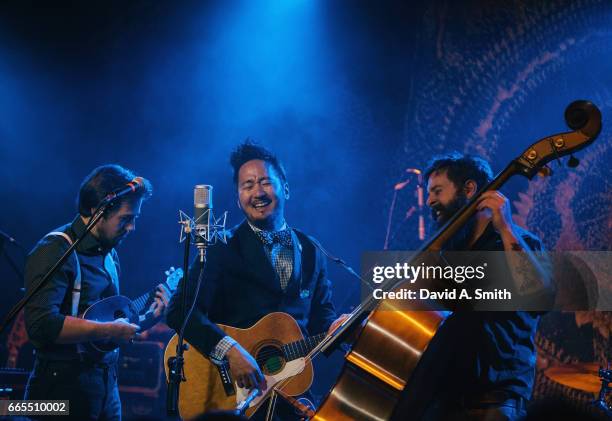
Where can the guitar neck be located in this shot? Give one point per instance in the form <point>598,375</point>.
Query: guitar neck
<point>301,348</point>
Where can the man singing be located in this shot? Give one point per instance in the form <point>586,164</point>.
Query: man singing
<point>64,369</point>
<point>266,266</point>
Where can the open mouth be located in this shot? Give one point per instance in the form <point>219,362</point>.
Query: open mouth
<point>260,204</point>
<point>436,213</point>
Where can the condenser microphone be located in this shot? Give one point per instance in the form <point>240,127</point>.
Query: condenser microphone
<point>202,202</point>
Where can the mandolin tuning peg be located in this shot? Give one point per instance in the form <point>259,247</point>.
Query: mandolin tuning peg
<point>545,171</point>
<point>573,162</point>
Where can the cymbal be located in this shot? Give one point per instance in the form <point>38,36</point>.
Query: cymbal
<point>581,376</point>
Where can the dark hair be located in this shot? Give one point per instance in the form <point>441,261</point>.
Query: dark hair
<point>249,150</point>
<point>460,168</point>
<point>104,180</point>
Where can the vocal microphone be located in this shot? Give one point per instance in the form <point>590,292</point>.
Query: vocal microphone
<point>136,184</point>
<point>401,185</point>
<point>202,202</point>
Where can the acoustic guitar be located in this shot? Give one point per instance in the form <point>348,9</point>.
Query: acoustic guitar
<point>277,344</point>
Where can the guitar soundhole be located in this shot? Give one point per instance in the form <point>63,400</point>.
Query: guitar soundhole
<point>119,314</point>
<point>270,359</point>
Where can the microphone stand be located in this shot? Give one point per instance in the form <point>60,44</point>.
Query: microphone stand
<point>176,363</point>
<point>37,286</point>
<point>331,342</point>
<point>14,266</point>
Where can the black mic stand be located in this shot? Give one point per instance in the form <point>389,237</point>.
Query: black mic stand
<point>103,207</point>
<point>176,363</point>
<point>346,329</point>
<point>14,266</point>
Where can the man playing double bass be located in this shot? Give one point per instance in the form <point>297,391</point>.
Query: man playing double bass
<point>486,365</point>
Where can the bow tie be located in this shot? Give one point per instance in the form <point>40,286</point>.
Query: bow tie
<point>270,238</point>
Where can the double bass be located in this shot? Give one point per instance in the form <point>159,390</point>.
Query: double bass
<point>392,342</point>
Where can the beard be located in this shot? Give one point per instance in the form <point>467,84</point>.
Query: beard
<point>108,243</point>
<point>443,213</point>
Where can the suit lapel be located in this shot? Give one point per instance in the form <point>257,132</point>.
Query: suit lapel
<point>255,258</point>
<point>308,260</point>
<point>296,274</point>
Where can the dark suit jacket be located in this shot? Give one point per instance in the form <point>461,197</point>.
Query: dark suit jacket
<point>240,286</point>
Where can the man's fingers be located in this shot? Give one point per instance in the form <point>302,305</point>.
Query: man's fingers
<point>162,297</point>
<point>258,378</point>
<point>253,381</point>
<point>164,290</point>
<point>487,203</point>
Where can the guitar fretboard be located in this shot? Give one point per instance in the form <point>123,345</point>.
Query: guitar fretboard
<point>301,348</point>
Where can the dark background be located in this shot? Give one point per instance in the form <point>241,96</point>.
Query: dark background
<point>348,94</point>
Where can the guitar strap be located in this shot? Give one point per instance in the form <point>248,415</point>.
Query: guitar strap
<point>111,269</point>
<point>76,288</point>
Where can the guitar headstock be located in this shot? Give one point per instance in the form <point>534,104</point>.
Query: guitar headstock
<point>173,276</point>
<point>581,116</point>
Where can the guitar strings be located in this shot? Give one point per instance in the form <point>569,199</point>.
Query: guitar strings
<point>264,355</point>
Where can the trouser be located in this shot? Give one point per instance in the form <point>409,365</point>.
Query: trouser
<point>491,406</point>
<point>91,389</point>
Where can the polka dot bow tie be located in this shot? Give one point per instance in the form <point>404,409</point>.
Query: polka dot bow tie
<point>270,238</point>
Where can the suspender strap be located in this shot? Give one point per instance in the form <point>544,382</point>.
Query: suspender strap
<point>76,289</point>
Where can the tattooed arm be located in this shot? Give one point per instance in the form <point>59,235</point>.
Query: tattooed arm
<point>528,263</point>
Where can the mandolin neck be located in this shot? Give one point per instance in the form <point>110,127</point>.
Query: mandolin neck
<point>141,302</point>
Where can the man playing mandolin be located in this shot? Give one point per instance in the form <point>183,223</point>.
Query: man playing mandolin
<point>266,266</point>
<point>65,369</point>
<point>488,360</point>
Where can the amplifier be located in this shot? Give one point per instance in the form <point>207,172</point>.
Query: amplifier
<point>141,368</point>
<point>13,382</point>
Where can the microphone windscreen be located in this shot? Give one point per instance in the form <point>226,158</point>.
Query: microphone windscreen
<point>202,200</point>
<point>202,196</point>
<point>138,183</point>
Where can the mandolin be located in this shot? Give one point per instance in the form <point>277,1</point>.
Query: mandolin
<point>120,306</point>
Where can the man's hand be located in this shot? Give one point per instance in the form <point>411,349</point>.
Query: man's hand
<point>244,369</point>
<point>337,323</point>
<point>121,331</point>
<point>500,209</point>
<point>160,303</point>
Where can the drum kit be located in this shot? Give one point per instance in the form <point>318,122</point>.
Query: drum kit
<point>588,377</point>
